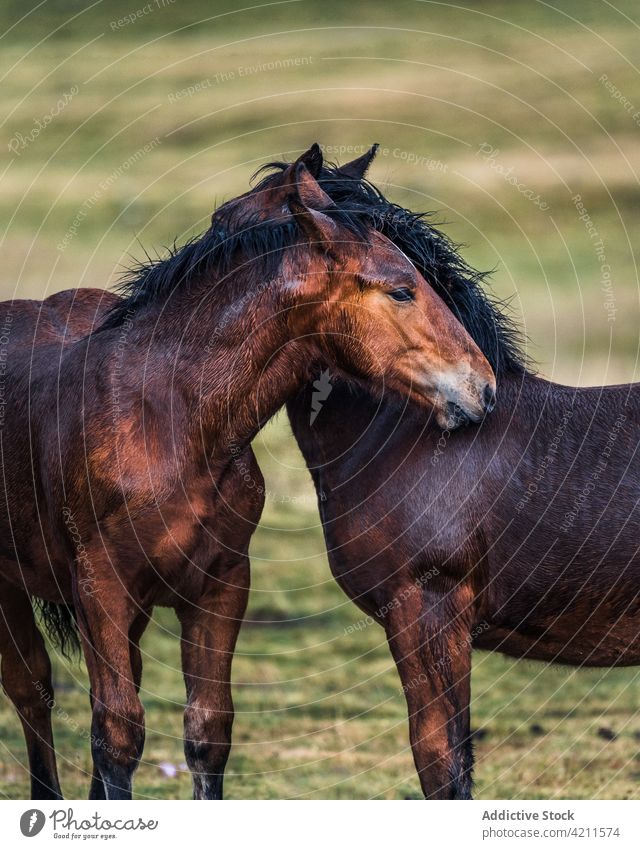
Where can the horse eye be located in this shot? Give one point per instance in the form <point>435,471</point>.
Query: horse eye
<point>402,295</point>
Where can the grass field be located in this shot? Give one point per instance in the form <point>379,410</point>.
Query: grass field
<point>122,128</point>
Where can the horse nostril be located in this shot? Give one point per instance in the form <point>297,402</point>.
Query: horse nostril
<point>489,398</point>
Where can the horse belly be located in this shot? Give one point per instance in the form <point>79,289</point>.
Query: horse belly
<point>587,647</point>
<point>574,625</point>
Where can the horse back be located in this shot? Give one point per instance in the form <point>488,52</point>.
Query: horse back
<point>63,317</point>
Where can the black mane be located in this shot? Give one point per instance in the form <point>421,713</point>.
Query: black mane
<point>360,206</point>
<point>212,256</point>
<point>438,260</point>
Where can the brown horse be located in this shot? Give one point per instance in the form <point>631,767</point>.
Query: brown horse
<point>520,536</point>
<point>122,422</point>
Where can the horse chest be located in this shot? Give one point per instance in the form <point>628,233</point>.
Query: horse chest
<point>186,556</point>
<point>182,526</point>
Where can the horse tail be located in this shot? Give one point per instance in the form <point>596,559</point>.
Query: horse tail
<point>60,625</point>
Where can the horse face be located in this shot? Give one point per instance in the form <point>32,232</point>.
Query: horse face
<point>377,319</point>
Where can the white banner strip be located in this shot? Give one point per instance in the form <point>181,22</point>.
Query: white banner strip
<point>307,824</point>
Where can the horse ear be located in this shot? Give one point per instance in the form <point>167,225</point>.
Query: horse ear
<point>313,160</point>
<point>357,168</point>
<point>305,201</point>
<point>298,180</point>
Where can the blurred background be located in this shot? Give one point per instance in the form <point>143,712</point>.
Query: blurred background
<point>125,123</point>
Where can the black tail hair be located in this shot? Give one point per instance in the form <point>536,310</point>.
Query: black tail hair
<point>60,626</point>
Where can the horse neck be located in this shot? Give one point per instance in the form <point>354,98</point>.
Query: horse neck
<point>352,424</point>
<point>231,358</point>
<point>343,425</point>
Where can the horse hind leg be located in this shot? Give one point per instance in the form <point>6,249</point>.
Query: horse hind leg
<point>26,679</point>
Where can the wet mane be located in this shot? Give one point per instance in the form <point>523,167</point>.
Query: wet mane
<point>256,244</point>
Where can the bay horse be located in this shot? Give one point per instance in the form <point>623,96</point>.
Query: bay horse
<point>122,420</point>
<point>520,535</point>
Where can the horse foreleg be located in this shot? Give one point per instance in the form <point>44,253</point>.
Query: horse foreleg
<point>105,616</point>
<point>97,789</point>
<point>429,637</point>
<point>210,629</point>
<point>26,679</point>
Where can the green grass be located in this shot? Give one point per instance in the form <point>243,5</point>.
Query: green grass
<point>319,710</point>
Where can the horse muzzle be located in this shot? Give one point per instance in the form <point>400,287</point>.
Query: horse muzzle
<point>466,408</point>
